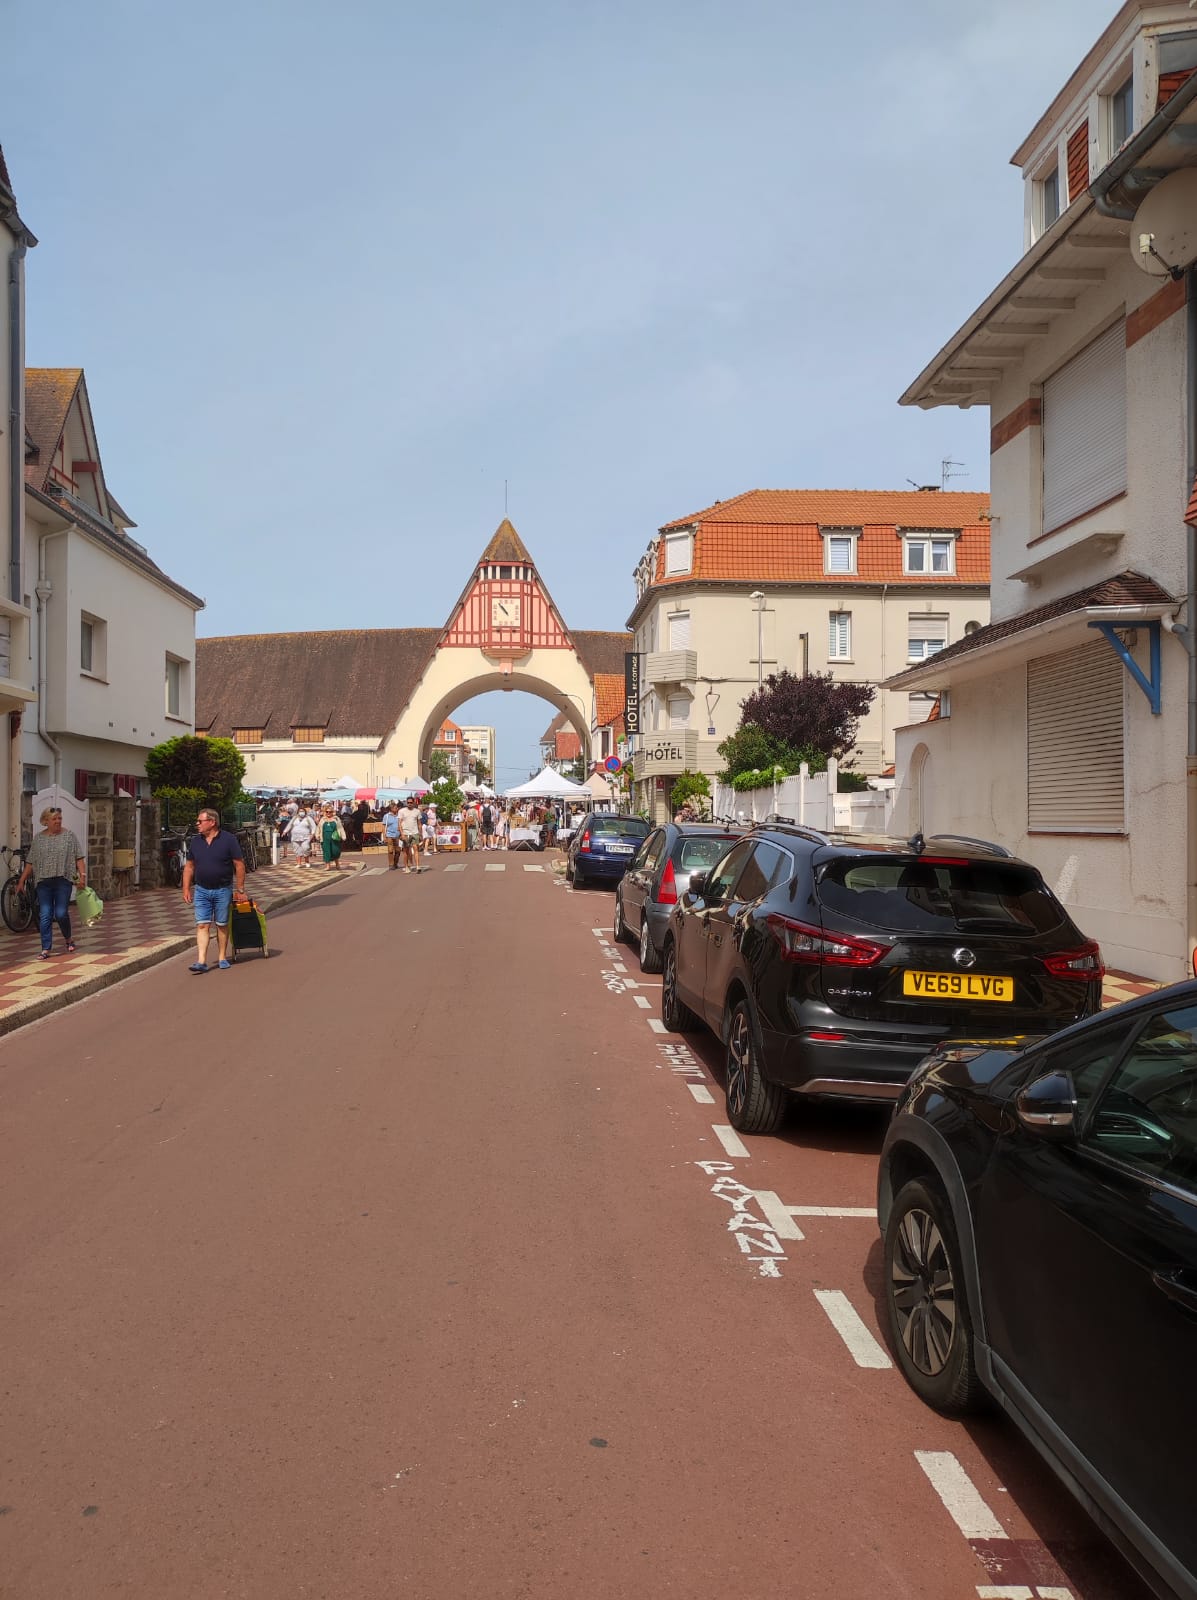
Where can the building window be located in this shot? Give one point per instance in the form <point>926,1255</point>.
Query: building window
<point>448,735</point>
<point>925,635</point>
<point>247,735</point>
<point>176,686</point>
<point>839,552</point>
<point>93,645</point>
<point>679,711</point>
<point>927,554</point>
<point>1075,755</point>
<point>679,553</point>
<point>679,630</point>
<point>1049,197</point>
<point>1084,431</point>
<point>1122,114</point>
<point>839,636</point>
<point>307,735</point>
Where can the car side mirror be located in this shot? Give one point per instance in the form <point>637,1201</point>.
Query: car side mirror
<point>698,885</point>
<point>1048,1107</point>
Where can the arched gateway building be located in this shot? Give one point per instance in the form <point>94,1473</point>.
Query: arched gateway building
<point>308,708</point>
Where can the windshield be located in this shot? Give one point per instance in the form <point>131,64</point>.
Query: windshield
<point>916,896</point>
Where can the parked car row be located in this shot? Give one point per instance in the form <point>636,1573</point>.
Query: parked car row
<point>1037,1189</point>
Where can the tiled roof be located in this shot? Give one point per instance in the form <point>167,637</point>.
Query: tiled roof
<point>1191,513</point>
<point>845,508</point>
<point>569,745</point>
<point>1127,589</point>
<point>549,736</point>
<point>773,535</point>
<point>601,652</point>
<point>48,395</point>
<point>608,697</point>
<point>353,683</point>
<point>506,545</point>
<point>448,725</point>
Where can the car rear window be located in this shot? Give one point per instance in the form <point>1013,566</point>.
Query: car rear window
<point>927,897</point>
<point>620,825</point>
<point>696,855</point>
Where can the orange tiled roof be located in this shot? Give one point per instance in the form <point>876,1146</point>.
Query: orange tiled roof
<point>1191,513</point>
<point>608,696</point>
<point>569,745</point>
<point>774,535</point>
<point>448,726</point>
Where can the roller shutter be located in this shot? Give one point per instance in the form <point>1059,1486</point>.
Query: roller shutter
<point>1084,430</point>
<point>1075,780</point>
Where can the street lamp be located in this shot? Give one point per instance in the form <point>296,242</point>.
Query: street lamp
<point>759,596</point>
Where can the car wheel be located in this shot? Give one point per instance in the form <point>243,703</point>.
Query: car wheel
<point>678,1018</point>
<point>927,1309</point>
<point>650,961</point>
<point>620,929</point>
<point>754,1105</point>
<point>579,880</point>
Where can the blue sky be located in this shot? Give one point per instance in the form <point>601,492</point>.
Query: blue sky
<point>336,273</point>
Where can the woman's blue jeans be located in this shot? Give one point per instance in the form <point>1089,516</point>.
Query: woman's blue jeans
<point>53,906</point>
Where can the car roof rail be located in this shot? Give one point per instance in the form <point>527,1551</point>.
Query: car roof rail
<point>788,825</point>
<point>987,845</point>
<point>775,816</point>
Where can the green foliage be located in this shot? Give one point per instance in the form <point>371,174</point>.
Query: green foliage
<point>481,771</point>
<point>693,786</point>
<point>851,782</point>
<point>817,712</point>
<point>439,766</point>
<point>448,796</point>
<point>213,766</point>
<point>751,749</point>
<point>180,806</point>
<point>760,779</point>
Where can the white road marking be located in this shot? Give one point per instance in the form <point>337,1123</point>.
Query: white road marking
<point>960,1495</point>
<point>831,1211</point>
<point>730,1139</point>
<point>495,866</point>
<point>599,933</point>
<point>619,966</point>
<point>657,1025</point>
<point>701,1093</point>
<point>1013,1591</point>
<point>456,866</point>
<point>778,1216</point>
<point>533,869</point>
<point>846,1321</point>
<point>642,1001</point>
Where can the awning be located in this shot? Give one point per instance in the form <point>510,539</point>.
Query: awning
<point>1124,600</point>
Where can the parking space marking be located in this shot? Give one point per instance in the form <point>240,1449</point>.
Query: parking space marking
<point>619,966</point>
<point>730,1139</point>
<point>642,1001</point>
<point>657,1025</point>
<point>846,1321</point>
<point>701,1093</point>
<point>1021,1591</point>
<point>777,1215</point>
<point>832,1211</point>
<point>960,1495</point>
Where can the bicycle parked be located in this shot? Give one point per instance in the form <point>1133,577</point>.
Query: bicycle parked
<point>18,906</point>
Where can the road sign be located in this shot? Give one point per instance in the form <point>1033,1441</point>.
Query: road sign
<point>612,764</point>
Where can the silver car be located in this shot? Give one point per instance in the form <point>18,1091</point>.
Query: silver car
<point>657,877</point>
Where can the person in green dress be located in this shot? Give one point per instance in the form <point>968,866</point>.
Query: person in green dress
<point>331,836</point>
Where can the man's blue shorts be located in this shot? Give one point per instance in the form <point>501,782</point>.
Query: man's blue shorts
<point>213,905</point>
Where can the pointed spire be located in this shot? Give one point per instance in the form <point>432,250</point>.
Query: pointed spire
<point>507,546</point>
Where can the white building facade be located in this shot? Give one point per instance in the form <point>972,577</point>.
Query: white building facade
<point>1071,725</point>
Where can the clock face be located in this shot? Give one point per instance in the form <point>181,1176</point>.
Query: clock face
<point>505,611</point>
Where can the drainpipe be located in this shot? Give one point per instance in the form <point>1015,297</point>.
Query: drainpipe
<point>44,590</point>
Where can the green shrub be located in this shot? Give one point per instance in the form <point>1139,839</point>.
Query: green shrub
<point>213,766</point>
<point>691,786</point>
<point>180,806</point>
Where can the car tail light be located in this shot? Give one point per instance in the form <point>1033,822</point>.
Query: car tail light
<point>800,942</point>
<point>667,888</point>
<point>584,843</point>
<point>1084,965</point>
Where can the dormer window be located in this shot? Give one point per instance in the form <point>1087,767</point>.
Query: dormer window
<point>1049,197</point>
<point>679,553</point>
<point>1122,114</point>
<point>839,550</point>
<point>925,553</point>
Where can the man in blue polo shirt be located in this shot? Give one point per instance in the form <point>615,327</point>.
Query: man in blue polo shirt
<point>214,866</point>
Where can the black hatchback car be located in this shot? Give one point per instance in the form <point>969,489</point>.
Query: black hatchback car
<point>832,964</point>
<point>1039,1213</point>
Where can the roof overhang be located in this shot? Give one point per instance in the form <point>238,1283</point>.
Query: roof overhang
<point>1065,261</point>
<point>1043,638</point>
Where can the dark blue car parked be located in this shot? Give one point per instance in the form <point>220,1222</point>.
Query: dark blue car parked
<point>601,847</point>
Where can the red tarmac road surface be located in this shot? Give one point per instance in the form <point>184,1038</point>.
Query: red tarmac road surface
<point>385,1269</point>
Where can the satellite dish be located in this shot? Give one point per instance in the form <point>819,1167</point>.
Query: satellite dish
<point>1164,231</point>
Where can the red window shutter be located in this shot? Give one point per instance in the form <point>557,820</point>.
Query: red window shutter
<point>80,784</point>
<point>1170,82</point>
<point>1078,162</point>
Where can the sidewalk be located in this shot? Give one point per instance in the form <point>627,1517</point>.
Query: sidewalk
<point>133,934</point>
<point>1119,986</point>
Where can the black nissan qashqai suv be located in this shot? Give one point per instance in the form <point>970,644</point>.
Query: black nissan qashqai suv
<point>831,964</point>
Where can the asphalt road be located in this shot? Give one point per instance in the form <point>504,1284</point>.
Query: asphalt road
<point>410,1264</point>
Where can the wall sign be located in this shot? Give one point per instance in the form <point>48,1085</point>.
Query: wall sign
<point>631,692</point>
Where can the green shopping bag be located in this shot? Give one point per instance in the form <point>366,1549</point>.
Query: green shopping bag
<point>89,905</point>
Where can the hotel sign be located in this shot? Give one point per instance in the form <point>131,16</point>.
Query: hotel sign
<point>666,752</point>
<point>631,692</point>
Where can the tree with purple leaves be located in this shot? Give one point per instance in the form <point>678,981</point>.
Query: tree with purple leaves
<point>791,719</point>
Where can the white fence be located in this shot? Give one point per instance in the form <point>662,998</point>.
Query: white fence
<point>812,801</point>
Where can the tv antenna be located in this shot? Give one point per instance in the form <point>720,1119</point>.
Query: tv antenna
<point>922,488</point>
<point>946,473</point>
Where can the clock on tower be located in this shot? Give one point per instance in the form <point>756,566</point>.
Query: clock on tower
<point>505,611</point>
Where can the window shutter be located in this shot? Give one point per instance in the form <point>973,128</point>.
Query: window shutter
<point>679,711</point>
<point>1084,430</point>
<point>677,553</point>
<point>839,636</point>
<point>839,554</point>
<point>679,631</point>
<point>1075,742</point>
<point>1078,162</point>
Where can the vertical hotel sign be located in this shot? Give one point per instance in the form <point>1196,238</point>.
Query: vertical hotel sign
<point>631,692</point>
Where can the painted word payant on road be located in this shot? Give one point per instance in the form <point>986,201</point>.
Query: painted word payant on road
<point>754,1238</point>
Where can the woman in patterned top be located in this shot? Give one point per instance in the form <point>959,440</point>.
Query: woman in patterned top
<point>56,859</point>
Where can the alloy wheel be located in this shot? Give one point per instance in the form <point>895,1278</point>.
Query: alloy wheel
<point>646,944</point>
<point>924,1292</point>
<point>739,1063</point>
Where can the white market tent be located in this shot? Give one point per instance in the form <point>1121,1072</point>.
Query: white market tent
<point>599,788</point>
<point>548,785</point>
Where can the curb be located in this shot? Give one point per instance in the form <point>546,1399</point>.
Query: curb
<point>45,1005</point>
